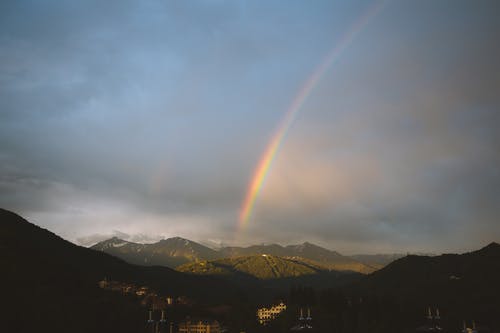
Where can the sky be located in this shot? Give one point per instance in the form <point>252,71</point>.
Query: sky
<point>147,120</point>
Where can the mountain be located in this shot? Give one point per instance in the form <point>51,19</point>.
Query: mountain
<point>268,272</point>
<point>259,266</point>
<point>382,260</point>
<point>170,252</point>
<point>461,286</point>
<point>306,252</point>
<point>377,260</point>
<point>174,252</point>
<point>479,268</point>
<point>235,251</point>
<point>50,284</point>
<point>329,259</point>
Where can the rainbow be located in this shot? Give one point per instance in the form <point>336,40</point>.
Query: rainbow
<point>262,170</point>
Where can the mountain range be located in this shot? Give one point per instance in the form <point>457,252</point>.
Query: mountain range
<point>175,252</point>
<point>171,252</point>
<point>51,285</point>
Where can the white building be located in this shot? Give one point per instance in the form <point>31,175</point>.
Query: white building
<point>265,315</point>
<point>199,326</point>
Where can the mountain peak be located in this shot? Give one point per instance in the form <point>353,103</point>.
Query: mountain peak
<point>112,240</point>
<point>307,246</point>
<point>493,247</point>
<point>175,239</point>
<point>110,243</point>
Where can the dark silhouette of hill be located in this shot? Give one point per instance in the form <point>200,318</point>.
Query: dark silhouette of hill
<point>396,298</point>
<point>50,284</point>
<point>377,260</point>
<point>463,287</point>
<point>479,269</point>
<point>171,252</point>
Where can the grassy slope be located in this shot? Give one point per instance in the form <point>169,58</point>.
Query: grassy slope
<point>261,267</point>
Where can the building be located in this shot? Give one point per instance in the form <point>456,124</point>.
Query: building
<point>158,325</point>
<point>433,322</point>
<point>142,291</point>
<point>265,315</point>
<point>304,323</point>
<point>103,284</point>
<point>199,326</point>
<point>472,329</point>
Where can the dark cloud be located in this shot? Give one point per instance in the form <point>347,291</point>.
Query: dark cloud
<point>149,118</point>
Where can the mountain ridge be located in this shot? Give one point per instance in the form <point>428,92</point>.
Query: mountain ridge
<point>171,252</point>
<point>176,251</point>
<point>258,266</point>
<point>460,285</point>
<point>39,267</point>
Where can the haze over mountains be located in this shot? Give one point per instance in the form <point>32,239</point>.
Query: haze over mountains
<point>174,252</point>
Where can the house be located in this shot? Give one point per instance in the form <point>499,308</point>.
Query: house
<point>265,315</point>
<point>199,326</point>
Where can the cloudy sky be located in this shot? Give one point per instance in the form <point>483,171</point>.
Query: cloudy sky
<point>146,119</point>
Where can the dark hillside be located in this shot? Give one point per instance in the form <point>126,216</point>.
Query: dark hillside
<point>463,287</point>
<point>51,284</point>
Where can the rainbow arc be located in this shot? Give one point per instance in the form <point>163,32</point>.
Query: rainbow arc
<point>265,162</point>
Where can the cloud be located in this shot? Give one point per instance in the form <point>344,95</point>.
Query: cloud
<point>149,118</point>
